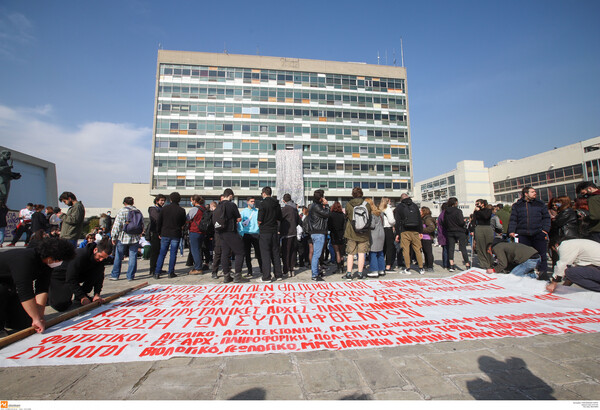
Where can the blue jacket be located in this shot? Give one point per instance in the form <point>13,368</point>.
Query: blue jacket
<point>246,226</point>
<point>529,218</point>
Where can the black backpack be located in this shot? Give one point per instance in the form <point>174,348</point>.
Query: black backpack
<point>206,226</point>
<point>134,225</point>
<point>412,216</point>
<point>218,218</point>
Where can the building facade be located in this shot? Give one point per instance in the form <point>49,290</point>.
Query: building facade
<point>552,173</point>
<point>220,120</point>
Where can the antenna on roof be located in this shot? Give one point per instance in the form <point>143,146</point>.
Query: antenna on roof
<point>377,57</point>
<point>386,62</point>
<point>402,52</point>
<point>159,46</point>
<point>225,48</point>
<point>394,56</point>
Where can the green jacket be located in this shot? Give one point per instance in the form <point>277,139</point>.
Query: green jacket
<point>594,206</point>
<point>72,222</point>
<point>349,233</point>
<point>511,254</point>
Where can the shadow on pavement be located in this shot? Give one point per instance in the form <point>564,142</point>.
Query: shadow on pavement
<point>505,378</point>
<point>251,394</point>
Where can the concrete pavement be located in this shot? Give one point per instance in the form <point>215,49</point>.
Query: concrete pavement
<point>544,367</point>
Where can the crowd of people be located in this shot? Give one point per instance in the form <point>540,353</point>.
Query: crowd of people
<point>283,238</point>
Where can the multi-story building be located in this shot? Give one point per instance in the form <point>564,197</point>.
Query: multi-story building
<point>220,120</point>
<point>552,173</point>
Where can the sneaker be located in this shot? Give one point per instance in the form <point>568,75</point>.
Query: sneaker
<point>407,272</point>
<point>227,279</point>
<point>373,274</point>
<point>261,280</point>
<point>318,279</point>
<point>347,276</point>
<point>421,271</point>
<point>10,244</point>
<point>156,276</point>
<point>381,273</point>
<point>113,278</point>
<point>205,267</point>
<point>277,278</point>
<point>543,276</point>
<point>452,268</point>
<point>195,272</point>
<point>401,269</point>
<point>361,275</point>
<point>172,275</point>
<point>241,280</point>
<point>215,276</point>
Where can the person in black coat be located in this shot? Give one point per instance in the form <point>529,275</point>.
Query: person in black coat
<point>80,276</point>
<point>530,222</point>
<point>454,224</point>
<point>39,220</point>
<point>337,225</point>
<point>24,281</point>
<point>565,224</point>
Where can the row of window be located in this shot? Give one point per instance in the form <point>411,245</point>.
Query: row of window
<point>439,194</point>
<point>438,183</point>
<point>592,170</point>
<point>201,110</point>
<point>339,81</point>
<point>201,147</point>
<point>284,95</point>
<point>543,194</point>
<point>173,183</point>
<point>540,178</point>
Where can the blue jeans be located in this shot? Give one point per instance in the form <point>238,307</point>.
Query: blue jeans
<point>2,235</point>
<point>377,262</point>
<point>196,240</point>
<point>318,240</point>
<point>165,243</point>
<point>526,268</point>
<point>132,264</point>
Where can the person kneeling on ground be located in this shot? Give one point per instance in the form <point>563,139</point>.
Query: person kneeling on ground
<point>579,263</point>
<point>79,276</point>
<point>516,258</point>
<point>24,280</point>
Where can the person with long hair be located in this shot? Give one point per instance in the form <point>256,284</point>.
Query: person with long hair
<point>377,239</point>
<point>565,224</point>
<point>483,232</point>
<point>389,247</point>
<point>442,240</point>
<point>454,223</point>
<point>336,226</point>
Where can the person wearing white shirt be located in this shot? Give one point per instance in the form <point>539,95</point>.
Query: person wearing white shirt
<point>579,263</point>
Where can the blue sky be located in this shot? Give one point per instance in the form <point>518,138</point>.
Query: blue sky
<point>486,80</point>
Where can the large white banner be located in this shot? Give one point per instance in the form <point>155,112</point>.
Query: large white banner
<point>163,321</point>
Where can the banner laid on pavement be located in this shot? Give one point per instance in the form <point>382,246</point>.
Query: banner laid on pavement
<point>163,321</point>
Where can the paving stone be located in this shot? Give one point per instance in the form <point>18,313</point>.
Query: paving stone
<point>342,395</point>
<point>318,355</point>
<point>587,338</point>
<point>272,363</point>
<point>107,382</point>
<point>331,375</point>
<point>587,391</point>
<point>567,350</point>
<point>588,367</point>
<point>379,374</point>
<point>176,362</point>
<point>557,393</point>
<point>498,394</point>
<point>395,394</point>
<point>172,392</point>
<point>189,376</point>
<point>409,350</point>
<point>434,387</point>
<point>39,382</point>
<point>543,368</point>
<point>260,387</point>
<point>208,361</point>
<point>460,362</point>
<point>463,345</point>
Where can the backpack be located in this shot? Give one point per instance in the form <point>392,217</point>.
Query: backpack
<point>412,216</point>
<point>361,218</point>
<point>206,226</point>
<point>218,218</point>
<point>134,225</point>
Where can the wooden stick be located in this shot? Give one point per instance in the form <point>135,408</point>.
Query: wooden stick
<point>22,334</point>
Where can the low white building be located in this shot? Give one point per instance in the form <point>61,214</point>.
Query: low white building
<point>552,173</point>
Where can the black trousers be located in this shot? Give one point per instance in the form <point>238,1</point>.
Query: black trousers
<point>540,243</point>
<point>12,314</point>
<point>216,253</point>
<point>303,251</point>
<point>289,247</point>
<point>231,242</point>
<point>270,253</point>
<point>427,246</point>
<point>154,251</point>
<point>251,241</point>
<point>207,248</point>
<point>24,228</point>
<point>60,294</point>
<point>389,248</point>
<point>461,238</point>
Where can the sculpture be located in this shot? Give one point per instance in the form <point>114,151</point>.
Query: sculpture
<point>6,175</point>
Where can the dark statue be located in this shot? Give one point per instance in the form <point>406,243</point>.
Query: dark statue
<point>6,175</point>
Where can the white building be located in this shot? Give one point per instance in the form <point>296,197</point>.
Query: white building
<point>552,173</point>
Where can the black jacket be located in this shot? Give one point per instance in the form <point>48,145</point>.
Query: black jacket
<point>318,215</point>
<point>153,211</point>
<point>82,269</point>
<point>170,221</point>
<point>3,214</point>
<point>529,218</point>
<point>39,221</point>
<point>482,217</point>
<point>454,221</point>
<point>269,215</point>
<point>400,215</point>
<point>290,220</point>
<point>23,270</point>
<point>564,226</point>
<point>336,225</point>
